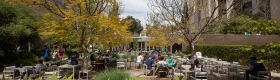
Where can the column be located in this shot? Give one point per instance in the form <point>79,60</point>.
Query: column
<point>145,46</point>
<point>141,45</point>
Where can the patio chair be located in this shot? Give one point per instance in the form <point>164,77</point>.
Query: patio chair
<point>219,71</point>
<point>121,63</point>
<point>162,71</point>
<point>8,72</point>
<point>51,70</point>
<point>234,72</point>
<point>218,76</point>
<point>200,76</point>
<point>262,75</point>
<point>136,65</point>
<point>41,73</point>
<point>87,71</point>
<point>180,72</point>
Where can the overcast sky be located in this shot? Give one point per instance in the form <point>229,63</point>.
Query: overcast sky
<point>136,8</point>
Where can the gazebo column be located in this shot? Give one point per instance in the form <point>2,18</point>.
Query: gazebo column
<point>145,46</point>
<point>141,45</point>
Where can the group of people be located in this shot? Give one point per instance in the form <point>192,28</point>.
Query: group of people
<point>156,59</point>
<point>57,54</point>
<point>34,70</point>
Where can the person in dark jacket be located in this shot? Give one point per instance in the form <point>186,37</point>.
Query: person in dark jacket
<point>75,59</point>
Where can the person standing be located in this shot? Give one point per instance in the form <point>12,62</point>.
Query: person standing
<point>139,59</point>
<point>154,56</point>
<point>47,53</point>
<point>61,53</point>
<point>55,54</point>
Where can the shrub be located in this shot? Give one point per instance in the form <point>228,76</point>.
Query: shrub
<point>132,57</point>
<point>180,54</point>
<point>24,62</point>
<point>113,74</point>
<point>117,56</point>
<point>16,58</point>
<point>125,56</point>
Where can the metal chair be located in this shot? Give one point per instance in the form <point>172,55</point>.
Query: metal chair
<point>161,71</point>
<point>262,75</point>
<point>8,72</point>
<point>121,63</point>
<point>200,76</point>
<point>86,71</point>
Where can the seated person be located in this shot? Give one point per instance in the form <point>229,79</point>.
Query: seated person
<point>35,70</point>
<point>172,63</point>
<point>253,66</point>
<point>99,56</point>
<point>198,55</point>
<point>149,63</point>
<point>75,59</point>
<point>188,60</point>
<point>161,62</point>
<point>196,68</point>
<point>157,57</point>
<point>92,58</point>
<point>196,64</point>
<point>162,65</point>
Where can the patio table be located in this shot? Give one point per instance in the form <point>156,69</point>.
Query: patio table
<point>23,69</point>
<point>51,62</point>
<point>67,66</point>
<point>244,68</point>
<point>187,71</point>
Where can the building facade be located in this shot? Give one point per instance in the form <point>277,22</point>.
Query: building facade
<point>268,9</point>
<point>201,10</point>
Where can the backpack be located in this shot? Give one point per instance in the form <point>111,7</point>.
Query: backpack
<point>261,67</point>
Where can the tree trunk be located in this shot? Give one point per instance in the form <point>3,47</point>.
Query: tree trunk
<point>171,48</point>
<point>29,46</point>
<point>84,47</point>
<point>192,51</point>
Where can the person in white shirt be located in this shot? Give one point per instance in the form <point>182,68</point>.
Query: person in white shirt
<point>198,55</point>
<point>161,62</point>
<point>139,59</point>
<point>196,68</point>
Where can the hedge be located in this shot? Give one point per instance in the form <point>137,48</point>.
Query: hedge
<point>242,53</point>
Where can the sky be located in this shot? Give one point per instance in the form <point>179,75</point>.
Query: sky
<point>136,8</point>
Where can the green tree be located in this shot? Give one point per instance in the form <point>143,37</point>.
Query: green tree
<point>17,26</point>
<point>240,24</point>
<point>92,21</point>
<point>135,27</point>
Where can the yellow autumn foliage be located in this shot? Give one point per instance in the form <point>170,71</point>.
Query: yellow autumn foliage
<point>83,21</point>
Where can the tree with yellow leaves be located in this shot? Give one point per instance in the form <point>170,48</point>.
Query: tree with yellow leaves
<point>163,37</point>
<point>89,21</point>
